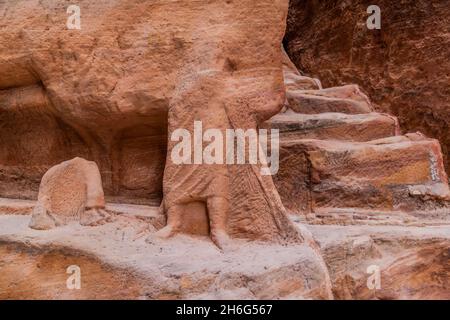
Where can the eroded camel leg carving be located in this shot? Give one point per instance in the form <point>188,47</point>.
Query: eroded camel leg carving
<point>174,220</point>
<point>218,217</point>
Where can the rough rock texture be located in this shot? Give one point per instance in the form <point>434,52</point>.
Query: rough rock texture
<point>115,91</point>
<point>96,93</point>
<point>71,191</point>
<point>117,262</point>
<point>333,126</point>
<point>294,80</point>
<point>404,66</point>
<point>345,99</point>
<point>413,261</point>
<point>336,153</point>
<point>112,92</point>
<point>399,173</point>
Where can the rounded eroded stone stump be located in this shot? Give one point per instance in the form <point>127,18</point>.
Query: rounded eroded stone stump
<point>70,192</point>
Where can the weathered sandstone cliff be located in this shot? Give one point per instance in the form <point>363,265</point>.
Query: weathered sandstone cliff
<point>353,194</point>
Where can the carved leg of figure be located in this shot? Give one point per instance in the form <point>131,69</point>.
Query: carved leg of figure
<point>218,216</point>
<point>174,219</point>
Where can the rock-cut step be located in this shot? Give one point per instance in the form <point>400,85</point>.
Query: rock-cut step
<point>334,126</point>
<point>294,80</point>
<point>404,173</point>
<point>346,99</point>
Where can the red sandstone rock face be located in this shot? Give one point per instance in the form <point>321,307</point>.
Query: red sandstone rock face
<point>346,99</point>
<point>336,153</point>
<point>404,66</point>
<point>333,126</point>
<point>117,262</point>
<point>86,93</point>
<point>396,173</point>
<point>112,92</point>
<point>412,262</point>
